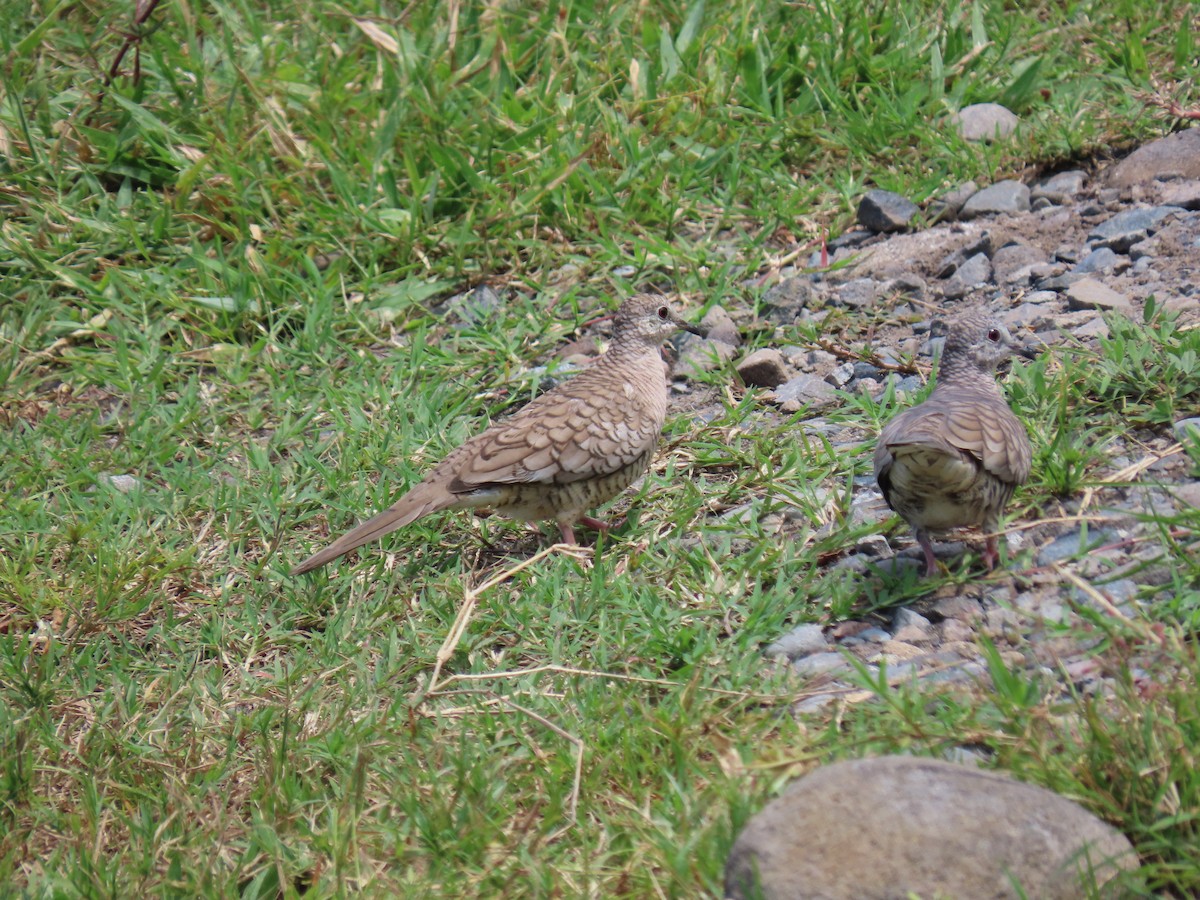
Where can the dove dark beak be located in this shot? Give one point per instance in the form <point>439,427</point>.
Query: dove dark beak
<point>1030,349</point>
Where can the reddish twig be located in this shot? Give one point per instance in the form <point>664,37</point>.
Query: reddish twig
<point>1160,99</point>
<point>867,356</point>
<point>133,40</point>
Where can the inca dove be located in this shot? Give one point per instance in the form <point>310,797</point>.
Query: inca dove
<point>955,459</point>
<point>573,448</point>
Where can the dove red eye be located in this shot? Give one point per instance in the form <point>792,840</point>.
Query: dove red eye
<point>663,313</point>
<point>993,334</point>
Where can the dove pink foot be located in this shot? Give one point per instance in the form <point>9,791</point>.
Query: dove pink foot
<point>991,552</point>
<point>926,543</point>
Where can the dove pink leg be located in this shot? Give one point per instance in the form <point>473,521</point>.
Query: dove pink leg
<point>568,532</point>
<point>991,552</point>
<point>600,524</point>
<point>931,568</point>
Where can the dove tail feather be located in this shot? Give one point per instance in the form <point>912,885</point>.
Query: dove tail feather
<point>420,501</point>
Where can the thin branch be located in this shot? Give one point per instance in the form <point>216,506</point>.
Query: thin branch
<point>592,673</point>
<point>867,356</point>
<point>471,596</point>
<point>1109,608</point>
<point>133,39</point>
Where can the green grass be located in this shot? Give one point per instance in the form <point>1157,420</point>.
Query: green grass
<point>218,279</point>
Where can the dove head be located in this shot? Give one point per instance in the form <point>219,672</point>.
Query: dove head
<point>650,320</point>
<point>978,342</point>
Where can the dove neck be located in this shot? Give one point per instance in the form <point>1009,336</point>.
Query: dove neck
<point>960,369</point>
<point>627,347</point>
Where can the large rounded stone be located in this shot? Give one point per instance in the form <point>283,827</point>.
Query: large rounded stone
<point>765,367</point>
<point>1002,198</point>
<point>985,122</point>
<point>884,211</point>
<point>893,827</point>
<point>1174,156</point>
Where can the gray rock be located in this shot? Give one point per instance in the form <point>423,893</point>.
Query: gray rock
<point>950,263</point>
<point>885,211</point>
<point>1185,194</point>
<point>1024,276</point>
<point>1003,197</point>
<point>955,630</point>
<point>784,301</point>
<point>1174,156</point>
<point>1068,254</point>
<point>1122,231</point>
<point>859,293</point>
<point>1013,257</point>
<point>1189,494</point>
<point>803,640</point>
<point>888,355</point>
<point>896,566</point>
<point>1095,327</point>
<point>1101,260</point>
<point>907,618</point>
<point>929,828</point>
<point>721,327</point>
<point>799,356</point>
<point>1045,270</point>
<point>700,355</point>
<point>1186,428</point>
<point>967,672</point>
<point>873,636</point>
<point>823,266</point>
<point>910,627</point>
<point>551,376</point>
<point>474,306</point>
<point>946,207</point>
<point>984,122</point>
<point>1042,271</point>
<point>816,703</point>
<point>791,294</point>
<point>1070,544</point>
<point>1003,623</point>
<point>1121,593</point>
<point>805,390</point>
<point>1142,250</point>
<point>1060,188</point>
<point>848,240</point>
<point>1091,294</point>
<point>763,368</point>
<point>120,483</point>
<point>815,362</point>
<point>1026,313</point>
<point>841,375</point>
<point>934,346</point>
<point>1040,297</point>
<point>976,270</point>
<point>866,370</point>
<point>819,663</point>
<point>1060,282</point>
<point>908,284</point>
<point>903,668</point>
<point>959,607</point>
